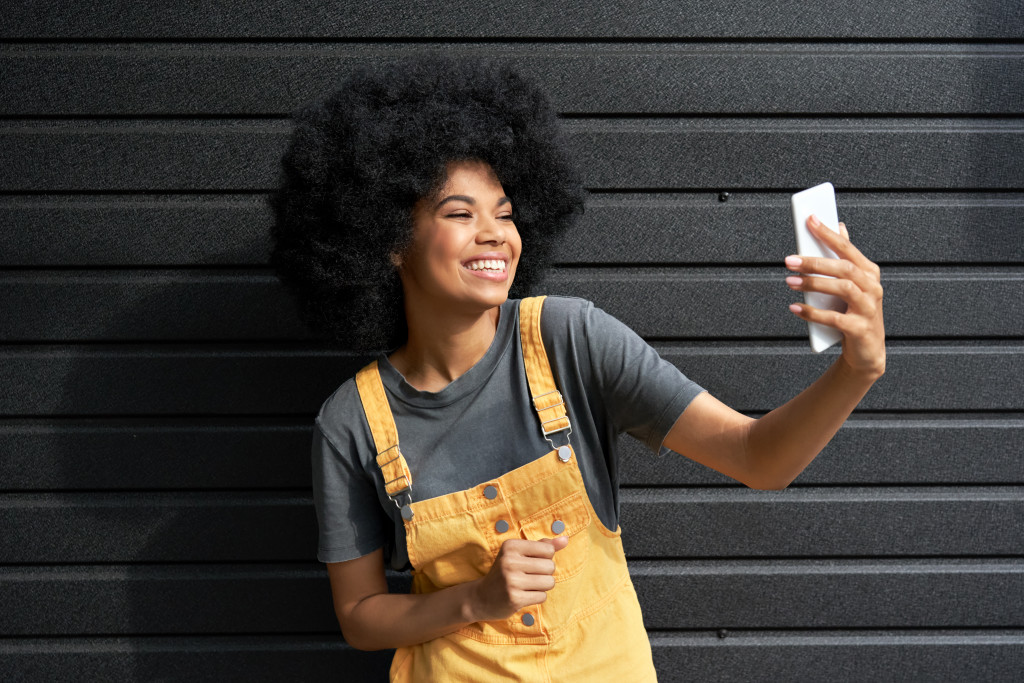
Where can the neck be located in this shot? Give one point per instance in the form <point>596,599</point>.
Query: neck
<point>442,345</point>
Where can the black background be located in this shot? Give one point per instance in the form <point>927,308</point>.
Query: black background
<point>158,392</point>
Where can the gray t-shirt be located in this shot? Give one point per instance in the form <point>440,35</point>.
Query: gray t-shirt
<point>483,425</point>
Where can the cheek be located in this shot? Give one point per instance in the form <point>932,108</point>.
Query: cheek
<point>516,240</point>
<point>440,254</point>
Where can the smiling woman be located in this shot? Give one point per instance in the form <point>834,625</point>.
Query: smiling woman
<point>456,271</point>
<point>479,449</point>
<point>363,159</point>
<point>464,247</point>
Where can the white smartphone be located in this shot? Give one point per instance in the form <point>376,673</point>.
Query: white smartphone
<point>819,200</point>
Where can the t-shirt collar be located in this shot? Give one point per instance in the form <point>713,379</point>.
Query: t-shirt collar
<point>468,382</point>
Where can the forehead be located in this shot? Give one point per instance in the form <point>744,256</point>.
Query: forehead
<point>468,175</point>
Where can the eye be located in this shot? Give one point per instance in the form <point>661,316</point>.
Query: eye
<point>507,217</point>
<point>459,215</point>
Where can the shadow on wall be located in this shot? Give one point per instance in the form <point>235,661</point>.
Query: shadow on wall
<point>188,502</point>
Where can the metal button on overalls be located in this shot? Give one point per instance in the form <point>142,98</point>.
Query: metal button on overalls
<point>567,635</point>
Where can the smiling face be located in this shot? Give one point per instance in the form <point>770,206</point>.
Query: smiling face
<point>465,246</point>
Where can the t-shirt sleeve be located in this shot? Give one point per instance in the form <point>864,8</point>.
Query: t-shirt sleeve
<point>348,513</point>
<point>643,393</point>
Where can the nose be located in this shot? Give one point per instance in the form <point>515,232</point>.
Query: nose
<point>493,231</point>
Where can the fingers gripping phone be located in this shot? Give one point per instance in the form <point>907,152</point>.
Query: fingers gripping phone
<point>819,200</point>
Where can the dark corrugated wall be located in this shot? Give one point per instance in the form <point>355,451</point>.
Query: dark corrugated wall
<point>158,392</point>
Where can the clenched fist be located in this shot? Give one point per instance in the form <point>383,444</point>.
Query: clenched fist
<point>521,575</point>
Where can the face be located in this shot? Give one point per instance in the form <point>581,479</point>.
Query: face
<point>465,247</point>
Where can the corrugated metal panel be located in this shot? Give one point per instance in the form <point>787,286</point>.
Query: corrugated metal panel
<point>830,522</point>
<point>705,656</point>
<point>208,658</point>
<point>717,153</point>
<point>462,19</point>
<point>850,656</point>
<point>880,449</point>
<point>101,379</point>
<point>266,453</point>
<point>617,228</point>
<point>279,526</point>
<point>69,305</point>
<point>701,595</point>
<point>775,78</point>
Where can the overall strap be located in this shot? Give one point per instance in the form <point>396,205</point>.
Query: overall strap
<point>547,400</point>
<point>397,477</point>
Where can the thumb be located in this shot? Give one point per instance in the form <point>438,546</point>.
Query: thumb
<point>558,543</point>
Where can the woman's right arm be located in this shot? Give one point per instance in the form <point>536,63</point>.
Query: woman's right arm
<point>373,619</point>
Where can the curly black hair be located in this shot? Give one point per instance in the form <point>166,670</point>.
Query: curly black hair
<point>359,160</point>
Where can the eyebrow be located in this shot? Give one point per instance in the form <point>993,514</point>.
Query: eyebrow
<point>467,199</point>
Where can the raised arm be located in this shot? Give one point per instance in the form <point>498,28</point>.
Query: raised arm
<point>768,453</point>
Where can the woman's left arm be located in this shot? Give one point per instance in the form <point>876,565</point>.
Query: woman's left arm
<point>768,453</point>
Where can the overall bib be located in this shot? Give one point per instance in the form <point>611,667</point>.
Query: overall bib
<point>589,628</point>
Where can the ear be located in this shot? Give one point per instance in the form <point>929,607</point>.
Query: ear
<point>396,260</point>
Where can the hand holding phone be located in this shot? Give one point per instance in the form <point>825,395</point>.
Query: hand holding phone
<point>821,202</point>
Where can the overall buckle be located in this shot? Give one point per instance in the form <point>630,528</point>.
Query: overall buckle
<point>402,498</point>
<point>564,454</point>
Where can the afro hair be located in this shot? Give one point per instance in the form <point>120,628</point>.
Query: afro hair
<point>359,160</point>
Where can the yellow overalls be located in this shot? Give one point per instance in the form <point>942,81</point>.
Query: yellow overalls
<point>590,627</point>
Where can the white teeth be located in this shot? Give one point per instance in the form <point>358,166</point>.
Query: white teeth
<point>487,264</point>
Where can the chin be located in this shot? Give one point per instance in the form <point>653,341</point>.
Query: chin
<point>496,300</point>
<point>493,297</point>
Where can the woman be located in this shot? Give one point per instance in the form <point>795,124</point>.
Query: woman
<point>480,451</point>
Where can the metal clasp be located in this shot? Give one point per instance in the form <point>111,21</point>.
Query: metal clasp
<point>403,497</point>
<point>548,432</point>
